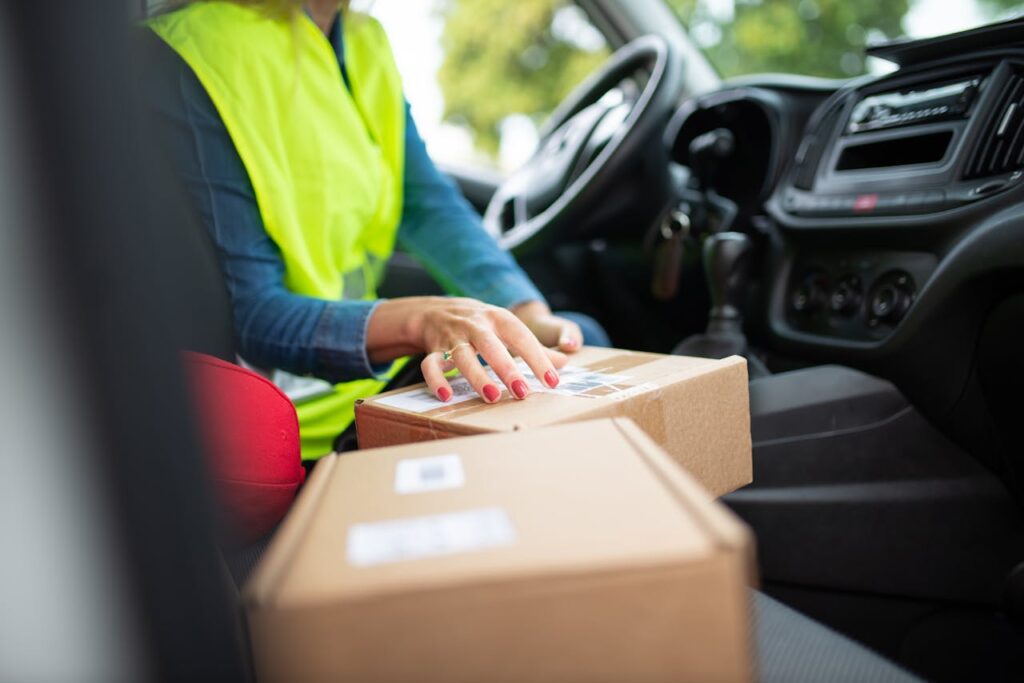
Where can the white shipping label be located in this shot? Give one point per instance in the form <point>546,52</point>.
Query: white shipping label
<point>582,381</point>
<point>415,538</point>
<point>633,391</point>
<point>432,473</point>
<point>422,400</point>
<point>573,380</point>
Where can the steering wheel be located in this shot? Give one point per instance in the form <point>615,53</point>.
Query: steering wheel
<point>593,136</point>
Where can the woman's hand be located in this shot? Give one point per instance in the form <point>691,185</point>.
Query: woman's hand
<point>462,329</point>
<point>549,329</point>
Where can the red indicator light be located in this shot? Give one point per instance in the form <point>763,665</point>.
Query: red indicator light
<point>865,202</point>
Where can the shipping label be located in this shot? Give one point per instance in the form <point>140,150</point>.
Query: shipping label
<point>574,381</point>
<point>415,538</point>
<point>432,473</point>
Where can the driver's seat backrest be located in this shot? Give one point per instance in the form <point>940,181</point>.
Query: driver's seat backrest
<point>191,251</point>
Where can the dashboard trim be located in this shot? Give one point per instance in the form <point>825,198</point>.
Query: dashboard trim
<point>995,245</point>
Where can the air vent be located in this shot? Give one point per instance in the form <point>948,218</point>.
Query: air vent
<point>812,147</point>
<point>1000,144</point>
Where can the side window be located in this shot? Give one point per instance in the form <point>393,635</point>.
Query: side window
<point>481,75</point>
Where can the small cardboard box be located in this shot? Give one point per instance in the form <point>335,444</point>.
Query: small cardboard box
<point>572,553</point>
<point>697,409</point>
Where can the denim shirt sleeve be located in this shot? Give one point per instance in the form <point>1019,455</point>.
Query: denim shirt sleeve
<point>442,230</point>
<point>274,327</point>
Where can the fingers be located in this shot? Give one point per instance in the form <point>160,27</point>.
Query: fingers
<point>557,358</point>
<point>466,361</point>
<point>433,371</point>
<point>518,337</point>
<point>467,328</point>
<point>500,360</point>
<point>570,339</point>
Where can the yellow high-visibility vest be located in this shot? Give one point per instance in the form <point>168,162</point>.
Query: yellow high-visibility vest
<point>325,162</point>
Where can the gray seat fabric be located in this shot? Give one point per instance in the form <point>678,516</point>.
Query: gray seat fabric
<point>242,560</point>
<point>819,401</point>
<point>794,649</point>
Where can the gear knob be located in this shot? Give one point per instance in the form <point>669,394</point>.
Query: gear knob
<point>726,265</point>
<point>708,151</point>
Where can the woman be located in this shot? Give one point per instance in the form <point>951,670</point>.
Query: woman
<point>291,130</point>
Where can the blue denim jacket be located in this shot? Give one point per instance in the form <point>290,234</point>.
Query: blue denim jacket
<point>276,328</point>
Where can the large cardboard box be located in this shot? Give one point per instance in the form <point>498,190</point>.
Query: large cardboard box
<point>697,409</point>
<point>572,553</point>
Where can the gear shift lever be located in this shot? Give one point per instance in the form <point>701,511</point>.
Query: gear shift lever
<point>726,265</point>
<point>707,151</point>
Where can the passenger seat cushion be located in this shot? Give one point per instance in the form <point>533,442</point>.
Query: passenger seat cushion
<point>792,648</point>
<point>251,435</point>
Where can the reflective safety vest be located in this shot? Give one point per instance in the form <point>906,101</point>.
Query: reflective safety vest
<point>325,162</point>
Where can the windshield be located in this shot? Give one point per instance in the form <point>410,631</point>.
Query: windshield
<point>821,37</point>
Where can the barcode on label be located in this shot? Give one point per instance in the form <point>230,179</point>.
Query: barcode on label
<point>416,538</point>
<point>432,473</point>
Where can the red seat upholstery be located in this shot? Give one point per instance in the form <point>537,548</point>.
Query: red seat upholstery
<point>251,434</point>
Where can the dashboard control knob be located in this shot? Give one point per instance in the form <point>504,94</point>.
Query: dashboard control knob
<point>885,301</point>
<point>845,298</point>
<point>802,299</point>
<point>809,295</point>
<point>891,296</point>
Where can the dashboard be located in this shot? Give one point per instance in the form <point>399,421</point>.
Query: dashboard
<point>889,210</point>
<point>867,186</point>
<point>928,148</point>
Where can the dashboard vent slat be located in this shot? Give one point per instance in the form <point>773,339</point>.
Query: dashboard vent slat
<point>999,147</point>
<point>1003,121</point>
<point>1015,135</point>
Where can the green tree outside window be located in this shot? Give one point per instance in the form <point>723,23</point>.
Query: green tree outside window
<point>503,57</point>
<point>506,56</point>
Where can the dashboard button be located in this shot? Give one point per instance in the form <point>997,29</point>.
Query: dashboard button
<point>809,295</point>
<point>801,299</point>
<point>845,298</point>
<point>865,202</point>
<point>989,187</point>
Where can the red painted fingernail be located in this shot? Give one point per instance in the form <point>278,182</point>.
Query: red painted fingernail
<point>491,393</point>
<point>444,393</point>
<point>519,388</point>
<point>551,379</point>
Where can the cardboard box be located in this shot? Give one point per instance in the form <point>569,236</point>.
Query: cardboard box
<point>697,409</point>
<point>572,553</point>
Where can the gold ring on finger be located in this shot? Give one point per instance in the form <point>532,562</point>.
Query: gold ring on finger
<point>450,353</point>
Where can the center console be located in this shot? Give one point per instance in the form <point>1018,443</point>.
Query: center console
<point>859,295</point>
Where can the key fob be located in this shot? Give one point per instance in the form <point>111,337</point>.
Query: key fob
<point>668,256</point>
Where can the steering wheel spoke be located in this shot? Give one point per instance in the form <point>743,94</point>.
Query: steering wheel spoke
<point>591,138</point>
